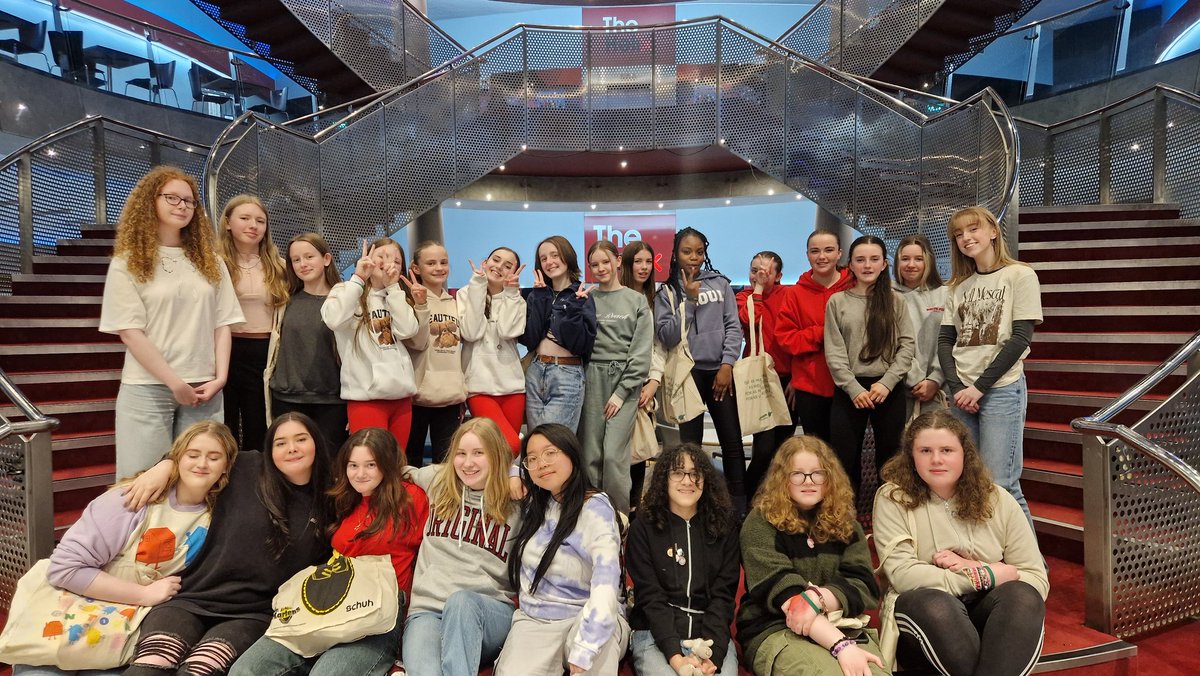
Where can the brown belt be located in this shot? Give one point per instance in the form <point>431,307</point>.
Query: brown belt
<point>561,361</point>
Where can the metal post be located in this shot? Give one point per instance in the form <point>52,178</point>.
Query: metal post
<point>25,210</point>
<point>100,174</point>
<point>1104,172</point>
<point>1035,39</point>
<point>1097,534</point>
<point>1126,24</point>
<point>717,91</point>
<point>1159,148</point>
<point>1048,170</point>
<point>155,152</point>
<point>39,497</point>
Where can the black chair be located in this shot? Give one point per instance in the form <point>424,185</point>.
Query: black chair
<point>197,78</point>
<point>277,105</point>
<point>162,78</point>
<point>31,39</point>
<point>67,48</point>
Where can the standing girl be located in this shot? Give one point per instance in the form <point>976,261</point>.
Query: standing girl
<point>967,583</point>
<point>436,352</point>
<point>992,306</point>
<point>303,373</point>
<point>491,315</point>
<point>462,602</point>
<point>271,522</point>
<point>370,315</point>
<point>566,565</point>
<point>560,328</point>
<point>171,301</point>
<point>917,278</point>
<point>684,560</point>
<point>808,570</point>
<point>379,513</point>
<point>800,332</point>
<point>637,273</point>
<point>869,347</point>
<point>258,279</point>
<point>715,340</point>
<point>615,375</point>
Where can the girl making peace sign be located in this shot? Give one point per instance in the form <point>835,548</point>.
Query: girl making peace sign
<point>369,316</point>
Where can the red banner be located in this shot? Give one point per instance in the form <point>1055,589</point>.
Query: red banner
<point>657,230</point>
<point>624,47</point>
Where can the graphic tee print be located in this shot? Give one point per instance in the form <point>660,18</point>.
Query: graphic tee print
<point>381,328</point>
<point>982,308</point>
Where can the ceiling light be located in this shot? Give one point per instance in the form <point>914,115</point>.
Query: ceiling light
<point>770,191</point>
<point>524,147</point>
<point>502,167</point>
<point>458,203</point>
<point>799,196</point>
<point>624,164</point>
<point>525,205</point>
<point>660,205</point>
<point>593,206</point>
<point>489,197</point>
<point>728,202</point>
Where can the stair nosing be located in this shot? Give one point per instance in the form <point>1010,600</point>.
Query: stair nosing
<point>58,376</point>
<point>1112,225</point>
<point>65,407</point>
<point>49,322</point>
<point>58,279</point>
<point>60,348</point>
<point>1085,366</point>
<point>1129,310</point>
<point>79,482</point>
<point>71,258</point>
<point>72,443</point>
<point>1109,243</point>
<point>1133,338</point>
<point>1099,208</point>
<point>51,300</point>
<point>87,241</point>
<point>1115,263</point>
<point>1172,285</point>
<point>1052,478</point>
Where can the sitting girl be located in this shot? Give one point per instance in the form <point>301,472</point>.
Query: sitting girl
<point>379,513</point>
<point>566,564</point>
<point>967,583</point>
<point>100,555</point>
<point>684,583</point>
<point>808,570</point>
<point>462,602</point>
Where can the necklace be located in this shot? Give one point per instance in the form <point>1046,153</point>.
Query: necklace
<point>256,258</point>
<point>167,263</point>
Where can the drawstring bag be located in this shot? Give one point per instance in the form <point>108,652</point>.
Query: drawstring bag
<point>644,444</point>
<point>760,402</point>
<point>337,602</point>
<point>681,398</point>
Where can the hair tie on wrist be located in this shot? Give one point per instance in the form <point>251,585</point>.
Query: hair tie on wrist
<point>841,645</point>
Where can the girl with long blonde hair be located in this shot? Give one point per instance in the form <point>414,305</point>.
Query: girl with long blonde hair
<point>918,280</point>
<point>172,302</point>
<point>258,279</point>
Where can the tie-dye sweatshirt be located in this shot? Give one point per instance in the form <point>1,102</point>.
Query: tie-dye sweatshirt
<point>584,577</point>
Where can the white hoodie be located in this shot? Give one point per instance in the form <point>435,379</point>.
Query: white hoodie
<point>375,366</point>
<point>490,360</point>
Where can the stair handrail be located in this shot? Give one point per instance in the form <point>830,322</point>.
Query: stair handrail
<point>1150,91</point>
<point>78,125</point>
<point>28,486</point>
<point>1055,17</point>
<point>35,421</point>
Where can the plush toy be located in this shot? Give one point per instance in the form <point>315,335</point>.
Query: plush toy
<point>701,649</point>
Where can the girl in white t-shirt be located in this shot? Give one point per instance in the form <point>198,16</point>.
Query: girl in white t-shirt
<point>258,279</point>
<point>369,315</point>
<point>992,305</point>
<point>171,301</point>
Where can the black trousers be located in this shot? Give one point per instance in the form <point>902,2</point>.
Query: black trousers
<point>436,422</point>
<point>848,426</point>
<point>245,399</point>
<point>729,433</point>
<point>812,412</point>
<point>765,445</point>
<point>331,419</point>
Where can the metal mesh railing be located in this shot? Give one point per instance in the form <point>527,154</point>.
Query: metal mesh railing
<point>1141,497</point>
<point>77,175</point>
<point>1140,149</point>
<point>855,150</point>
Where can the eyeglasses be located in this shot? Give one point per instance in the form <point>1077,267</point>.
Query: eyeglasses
<point>547,457</point>
<point>817,477</point>
<point>678,475</point>
<point>176,200</point>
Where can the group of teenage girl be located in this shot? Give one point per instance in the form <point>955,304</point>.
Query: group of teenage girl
<point>512,549</point>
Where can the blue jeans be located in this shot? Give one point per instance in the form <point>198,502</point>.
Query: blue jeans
<point>648,660</point>
<point>553,394</point>
<point>998,429</point>
<point>469,631</point>
<point>370,656</point>
<point>147,421</point>
<point>22,670</point>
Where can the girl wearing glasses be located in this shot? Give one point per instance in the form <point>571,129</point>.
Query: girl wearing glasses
<point>172,302</point>
<point>808,570</point>
<point>566,566</point>
<point>683,556</point>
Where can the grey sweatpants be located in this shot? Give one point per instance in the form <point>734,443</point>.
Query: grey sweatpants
<point>606,441</point>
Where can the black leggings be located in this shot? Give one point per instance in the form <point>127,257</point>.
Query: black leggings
<point>439,423</point>
<point>812,412</point>
<point>195,645</point>
<point>245,399</point>
<point>997,633</point>
<point>729,432</point>
<point>331,419</point>
<point>765,445</point>
<point>848,426</point>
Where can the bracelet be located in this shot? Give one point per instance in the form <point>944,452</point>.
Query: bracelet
<point>693,299</point>
<point>991,575</point>
<point>841,645</point>
<point>810,603</point>
<point>820,597</point>
<point>973,574</point>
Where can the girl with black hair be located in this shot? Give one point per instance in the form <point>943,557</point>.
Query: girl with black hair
<point>715,340</point>
<point>272,521</point>
<point>869,346</point>
<point>566,565</point>
<point>684,560</point>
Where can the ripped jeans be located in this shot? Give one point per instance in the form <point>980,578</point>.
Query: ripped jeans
<point>192,645</point>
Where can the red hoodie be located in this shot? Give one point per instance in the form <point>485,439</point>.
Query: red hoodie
<point>800,332</point>
<point>766,308</point>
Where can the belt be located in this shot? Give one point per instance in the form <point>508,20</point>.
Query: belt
<point>561,361</point>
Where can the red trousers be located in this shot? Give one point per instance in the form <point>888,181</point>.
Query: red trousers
<point>393,415</point>
<point>506,410</point>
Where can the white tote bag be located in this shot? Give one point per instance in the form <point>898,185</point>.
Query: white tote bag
<point>681,398</point>
<point>760,401</point>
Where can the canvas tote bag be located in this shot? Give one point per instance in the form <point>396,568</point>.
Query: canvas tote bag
<point>681,398</point>
<point>760,401</point>
<point>644,444</point>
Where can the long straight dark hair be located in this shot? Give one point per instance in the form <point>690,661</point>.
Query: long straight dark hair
<point>274,490</point>
<point>575,491</point>
<point>630,252</point>
<point>882,331</point>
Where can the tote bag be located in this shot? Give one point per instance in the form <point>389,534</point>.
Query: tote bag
<point>760,401</point>
<point>644,444</point>
<point>681,398</point>
<point>340,601</point>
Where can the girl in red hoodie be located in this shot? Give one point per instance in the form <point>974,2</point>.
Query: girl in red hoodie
<point>800,332</point>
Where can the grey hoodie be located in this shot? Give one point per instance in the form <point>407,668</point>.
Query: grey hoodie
<point>925,307</point>
<point>714,332</point>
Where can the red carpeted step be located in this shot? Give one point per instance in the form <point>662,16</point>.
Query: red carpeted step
<point>1063,406</point>
<point>53,330</point>
<point>1054,441</point>
<point>85,247</point>
<point>49,307</point>
<point>1095,231</point>
<point>1063,374</point>
<point>74,356</point>
<point>1161,293</point>
<point>1106,346</point>
<point>1030,215</point>
<point>1177,319</point>
<point>86,384</point>
<point>1102,250</point>
<point>1161,269</point>
<point>87,415</point>
<point>58,285</point>
<point>70,265</point>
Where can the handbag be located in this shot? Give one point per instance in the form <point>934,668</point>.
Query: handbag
<point>760,402</point>
<point>644,444</point>
<point>681,397</point>
<point>340,601</point>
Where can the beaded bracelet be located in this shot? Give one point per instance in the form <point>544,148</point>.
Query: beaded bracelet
<point>820,597</point>
<point>841,645</point>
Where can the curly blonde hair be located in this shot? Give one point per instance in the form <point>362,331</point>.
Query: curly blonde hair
<point>137,230</point>
<point>973,494</point>
<point>268,254</point>
<point>833,519</point>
